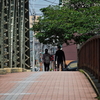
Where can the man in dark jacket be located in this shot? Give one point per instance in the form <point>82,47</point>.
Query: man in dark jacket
<point>60,58</point>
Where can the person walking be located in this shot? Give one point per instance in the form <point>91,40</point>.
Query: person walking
<point>46,60</point>
<point>59,58</point>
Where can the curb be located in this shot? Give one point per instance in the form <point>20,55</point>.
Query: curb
<point>91,81</point>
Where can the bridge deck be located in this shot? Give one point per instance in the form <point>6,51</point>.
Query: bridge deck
<point>55,85</point>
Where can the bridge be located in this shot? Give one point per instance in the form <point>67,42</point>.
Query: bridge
<point>15,57</point>
<point>54,85</point>
<point>83,84</point>
<point>14,34</point>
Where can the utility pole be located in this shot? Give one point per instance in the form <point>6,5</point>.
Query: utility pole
<point>60,2</point>
<point>33,66</point>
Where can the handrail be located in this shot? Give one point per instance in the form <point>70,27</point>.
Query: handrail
<point>89,56</point>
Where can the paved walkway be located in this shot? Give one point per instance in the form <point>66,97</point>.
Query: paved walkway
<point>46,86</point>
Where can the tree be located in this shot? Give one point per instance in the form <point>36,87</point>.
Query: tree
<point>60,24</point>
<point>76,4</point>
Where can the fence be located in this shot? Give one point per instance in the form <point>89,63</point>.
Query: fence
<point>89,56</point>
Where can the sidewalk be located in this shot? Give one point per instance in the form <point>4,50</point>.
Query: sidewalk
<point>55,85</point>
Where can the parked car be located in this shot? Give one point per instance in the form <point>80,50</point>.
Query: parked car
<point>72,66</point>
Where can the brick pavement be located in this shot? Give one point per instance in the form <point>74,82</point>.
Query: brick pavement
<point>57,85</point>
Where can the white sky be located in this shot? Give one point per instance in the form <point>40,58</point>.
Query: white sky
<point>35,5</point>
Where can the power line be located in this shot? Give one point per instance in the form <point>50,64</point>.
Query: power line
<point>34,6</point>
<point>51,2</point>
<point>54,1</point>
<point>39,4</point>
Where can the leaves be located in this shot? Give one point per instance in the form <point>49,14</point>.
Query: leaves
<point>58,24</point>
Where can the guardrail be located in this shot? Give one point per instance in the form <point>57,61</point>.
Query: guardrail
<point>89,56</point>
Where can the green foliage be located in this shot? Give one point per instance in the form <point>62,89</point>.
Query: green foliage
<point>77,4</point>
<point>98,97</point>
<point>58,24</point>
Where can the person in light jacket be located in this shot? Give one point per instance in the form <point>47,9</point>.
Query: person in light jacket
<point>46,60</point>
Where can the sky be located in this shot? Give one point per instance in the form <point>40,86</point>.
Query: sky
<point>35,5</point>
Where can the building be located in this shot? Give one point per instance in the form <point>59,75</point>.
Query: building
<point>14,34</point>
<point>70,52</point>
<point>36,48</point>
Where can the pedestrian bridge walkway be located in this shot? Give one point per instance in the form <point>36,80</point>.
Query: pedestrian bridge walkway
<point>54,85</point>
